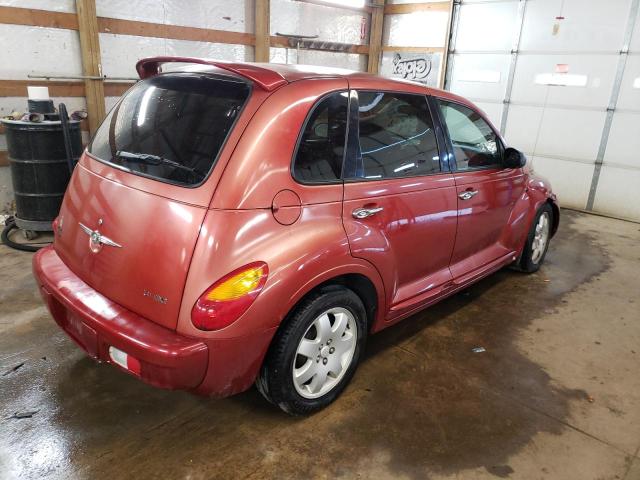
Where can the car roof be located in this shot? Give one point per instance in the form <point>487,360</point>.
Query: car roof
<point>270,76</point>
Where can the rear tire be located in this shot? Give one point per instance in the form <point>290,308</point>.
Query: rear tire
<point>535,249</point>
<point>315,354</point>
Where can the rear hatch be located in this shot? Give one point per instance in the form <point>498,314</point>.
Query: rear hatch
<point>125,227</point>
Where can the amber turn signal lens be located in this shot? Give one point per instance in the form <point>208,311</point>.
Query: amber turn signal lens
<point>237,286</point>
<point>227,299</point>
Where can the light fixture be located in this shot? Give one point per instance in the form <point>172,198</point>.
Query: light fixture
<point>561,80</point>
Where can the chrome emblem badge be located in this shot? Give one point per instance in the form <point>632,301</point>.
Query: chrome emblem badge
<point>96,239</point>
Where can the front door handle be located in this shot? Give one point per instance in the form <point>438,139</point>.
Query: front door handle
<point>361,213</point>
<point>467,194</point>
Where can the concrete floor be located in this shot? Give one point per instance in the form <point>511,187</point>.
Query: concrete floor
<point>556,395</point>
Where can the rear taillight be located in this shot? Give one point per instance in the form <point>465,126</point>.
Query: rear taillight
<point>227,299</point>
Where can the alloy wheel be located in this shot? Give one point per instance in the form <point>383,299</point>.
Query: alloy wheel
<point>324,353</point>
<point>540,238</point>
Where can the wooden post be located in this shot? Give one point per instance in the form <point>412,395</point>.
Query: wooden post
<point>91,62</point>
<point>263,35</point>
<point>375,37</point>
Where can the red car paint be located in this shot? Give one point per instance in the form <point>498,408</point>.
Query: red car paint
<point>179,241</point>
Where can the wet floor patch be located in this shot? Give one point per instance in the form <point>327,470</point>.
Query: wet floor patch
<point>460,409</point>
<point>423,402</point>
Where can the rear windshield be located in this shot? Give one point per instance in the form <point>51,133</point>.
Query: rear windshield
<point>171,127</point>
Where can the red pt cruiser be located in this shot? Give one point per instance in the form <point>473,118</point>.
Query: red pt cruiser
<point>233,223</point>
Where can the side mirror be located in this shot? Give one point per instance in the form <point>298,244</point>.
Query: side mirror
<point>514,158</point>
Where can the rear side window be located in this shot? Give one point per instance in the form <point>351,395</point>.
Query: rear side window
<point>475,144</point>
<point>171,127</point>
<point>396,136</point>
<point>321,146</point>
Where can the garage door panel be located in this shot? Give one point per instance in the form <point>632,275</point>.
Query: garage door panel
<point>630,89</point>
<point>522,127</point>
<point>487,26</point>
<point>530,86</point>
<point>618,193</point>
<point>480,76</point>
<point>553,131</point>
<point>569,133</point>
<point>592,29</point>
<point>623,146</point>
<point>634,46</point>
<point>492,110</point>
<point>570,180</point>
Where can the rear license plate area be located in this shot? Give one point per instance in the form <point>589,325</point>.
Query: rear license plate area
<point>81,333</point>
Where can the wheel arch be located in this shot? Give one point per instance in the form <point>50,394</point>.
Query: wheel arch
<point>556,215</point>
<point>360,283</point>
<point>362,286</point>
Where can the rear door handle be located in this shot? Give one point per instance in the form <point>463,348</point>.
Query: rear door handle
<point>467,194</point>
<point>361,213</point>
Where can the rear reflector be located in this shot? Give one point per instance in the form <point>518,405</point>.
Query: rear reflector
<point>124,360</point>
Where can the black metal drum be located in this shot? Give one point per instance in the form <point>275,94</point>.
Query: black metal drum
<point>39,169</point>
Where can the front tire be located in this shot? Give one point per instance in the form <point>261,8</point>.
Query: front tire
<point>317,351</point>
<point>535,249</point>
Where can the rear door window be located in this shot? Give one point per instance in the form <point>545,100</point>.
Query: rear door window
<point>320,150</point>
<point>396,137</point>
<point>474,142</point>
<point>171,127</point>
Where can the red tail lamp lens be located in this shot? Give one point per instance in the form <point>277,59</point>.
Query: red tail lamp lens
<point>227,299</point>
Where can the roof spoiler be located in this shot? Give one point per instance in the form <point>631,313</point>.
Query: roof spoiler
<point>266,79</point>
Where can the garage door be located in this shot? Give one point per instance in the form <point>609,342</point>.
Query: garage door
<point>561,78</point>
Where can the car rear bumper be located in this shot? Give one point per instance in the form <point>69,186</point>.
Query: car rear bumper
<point>161,357</point>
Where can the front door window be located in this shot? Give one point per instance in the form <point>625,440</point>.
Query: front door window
<point>475,144</point>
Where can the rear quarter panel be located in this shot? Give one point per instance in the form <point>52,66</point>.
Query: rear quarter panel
<point>300,256</point>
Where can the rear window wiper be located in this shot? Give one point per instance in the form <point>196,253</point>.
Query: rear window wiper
<point>150,159</point>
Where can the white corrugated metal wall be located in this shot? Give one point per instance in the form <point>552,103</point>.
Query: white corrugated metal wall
<point>514,57</point>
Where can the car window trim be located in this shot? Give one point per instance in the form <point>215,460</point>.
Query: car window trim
<point>442,151</point>
<point>303,128</point>
<point>451,153</point>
